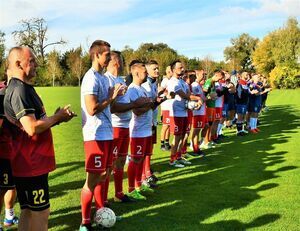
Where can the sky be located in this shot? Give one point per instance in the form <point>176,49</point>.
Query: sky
<point>194,28</point>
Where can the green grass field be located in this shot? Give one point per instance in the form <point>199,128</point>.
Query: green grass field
<point>248,182</point>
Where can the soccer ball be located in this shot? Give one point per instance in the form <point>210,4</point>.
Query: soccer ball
<point>105,217</point>
<point>192,105</point>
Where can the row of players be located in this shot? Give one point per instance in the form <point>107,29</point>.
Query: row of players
<point>112,117</point>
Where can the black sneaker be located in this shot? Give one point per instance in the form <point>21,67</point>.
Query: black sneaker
<point>123,199</point>
<point>85,227</point>
<point>163,147</point>
<point>167,146</point>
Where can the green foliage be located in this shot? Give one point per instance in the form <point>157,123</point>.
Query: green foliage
<point>241,50</point>
<point>2,51</point>
<point>54,71</point>
<point>278,55</point>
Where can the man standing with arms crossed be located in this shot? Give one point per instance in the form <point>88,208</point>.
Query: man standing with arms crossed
<point>30,127</point>
<point>96,97</point>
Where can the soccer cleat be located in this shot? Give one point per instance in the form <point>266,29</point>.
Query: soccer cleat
<point>10,222</point>
<point>184,161</point>
<point>123,199</point>
<point>211,144</point>
<point>163,148</point>
<point>187,155</point>
<point>85,227</point>
<point>240,133</point>
<point>145,188</point>
<point>136,195</point>
<point>153,178</point>
<point>204,146</point>
<point>245,131</point>
<point>253,131</point>
<point>199,153</point>
<point>257,129</point>
<point>176,164</point>
<point>167,146</point>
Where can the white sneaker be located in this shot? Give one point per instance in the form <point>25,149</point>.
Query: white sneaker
<point>184,161</point>
<point>176,164</point>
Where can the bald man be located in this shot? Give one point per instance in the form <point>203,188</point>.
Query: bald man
<point>30,127</point>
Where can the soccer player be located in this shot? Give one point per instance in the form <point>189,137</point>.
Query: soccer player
<point>242,97</point>
<point>7,185</point>
<point>199,116</point>
<point>178,112</point>
<point>96,97</point>
<point>140,129</point>
<point>32,140</point>
<point>121,116</point>
<point>165,111</point>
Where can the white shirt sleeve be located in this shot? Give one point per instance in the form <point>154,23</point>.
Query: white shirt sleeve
<point>90,85</point>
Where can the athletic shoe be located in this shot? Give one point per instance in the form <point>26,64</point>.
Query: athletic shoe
<point>204,146</point>
<point>151,183</point>
<point>85,227</point>
<point>176,164</point>
<point>187,155</point>
<point>257,129</point>
<point>200,153</point>
<point>136,195</point>
<point>10,222</point>
<point>163,148</point>
<point>245,131</point>
<point>211,144</point>
<point>167,146</point>
<point>184,161</point>
<point>123,199</point>
<point>153,178</point>
<point>240,133</point>
<point>145,188</point>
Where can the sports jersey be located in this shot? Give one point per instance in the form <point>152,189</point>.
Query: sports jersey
<point>164,83</point>
<point>119,119</point>
<point>220,98</point>
<point>5,136</point>
<point>151,88</point>
<point>209,87</point>
<point>98,126</point>
<point>242,92</point>
<point>198,91</point>
<point>139,126</point>
<point>33,155</point>
<point>178,108</point>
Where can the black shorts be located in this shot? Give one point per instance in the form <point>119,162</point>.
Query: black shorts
<point>33,192</point>
<point>6,178</point>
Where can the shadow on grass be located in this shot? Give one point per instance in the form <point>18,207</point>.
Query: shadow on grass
<point>231,177</point>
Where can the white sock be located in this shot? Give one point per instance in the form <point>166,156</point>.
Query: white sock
<point>219,131</point>
<point>255,123</point>
<point>252,123</point>
<point>9,213</point>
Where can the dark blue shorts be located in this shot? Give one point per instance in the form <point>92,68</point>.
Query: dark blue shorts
<point>241,109</point>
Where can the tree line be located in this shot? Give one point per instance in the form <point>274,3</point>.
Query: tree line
<point>276,56</point>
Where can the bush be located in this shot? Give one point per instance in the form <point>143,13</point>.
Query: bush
<point>285,77</point>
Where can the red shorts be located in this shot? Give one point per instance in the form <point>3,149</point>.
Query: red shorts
<point>121,142</point>
<point>166,117</point>
<point>98,155</point>
<point>218,114</point>
<point>140,146</point>
<point>199,121</point>
<point>154,134</point>
<point>178,125</point>
<point>211,114</point>
<point>190,121</point>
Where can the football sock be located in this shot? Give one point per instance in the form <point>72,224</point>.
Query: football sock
<point>131,175</point>
<point>178,155</point>
<point>220,127</point>
<point>255,122</point>
<point>195,147</point>
<point>105,189</point>
<point>173,157</point>
<point>9,213</point>
<point>118,180</point>
<point>86,205</point>
<point>138,174</point>
<point>147,163</point>
<point>252,123</point>
<point>98,195</point>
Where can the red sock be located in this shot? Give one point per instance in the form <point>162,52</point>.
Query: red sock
<point>86,205</point>
<point>196,147</point>
<point>118,179</point>
<point>105,189</point>
<point>173,157</point>
<point>147,163</point>
<point>138,174</point>
<point>98,195</point>
<point>178,155</point>
<point>131,175</point>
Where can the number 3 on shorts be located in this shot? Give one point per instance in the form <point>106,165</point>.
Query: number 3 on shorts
<point>97,161</point>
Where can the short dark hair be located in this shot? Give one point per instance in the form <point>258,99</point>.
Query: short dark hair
<point>152,62</point>
<point>97,47</point>
<point>173,64</point>
<point>134,62</point>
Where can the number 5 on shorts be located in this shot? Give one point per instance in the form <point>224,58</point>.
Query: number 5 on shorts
<point>97,161</point>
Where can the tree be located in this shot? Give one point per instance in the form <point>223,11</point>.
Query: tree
<point>240,51</point>
<point>2,52</point>
<point>54,70</point>
<point>33,34</point>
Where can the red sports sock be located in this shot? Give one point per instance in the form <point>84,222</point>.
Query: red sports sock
<point>118,179</point>
<point>178,155</point>
<point>105,189</point>
<point>86,205</point>
<point>131,175</point>
<point>173,157</point>
<point>98,195</point>
<point>138,174</point>
<point>147,163</point>
<point>196,147</point>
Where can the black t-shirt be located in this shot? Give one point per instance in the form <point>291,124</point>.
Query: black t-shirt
<point>21,99</point>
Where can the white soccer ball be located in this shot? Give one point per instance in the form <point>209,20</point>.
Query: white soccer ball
<point>192,105</point>
<point>105,217</point>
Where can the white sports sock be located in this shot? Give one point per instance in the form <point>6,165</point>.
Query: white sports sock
<point>255,123</point>
<point>9,213</point>
<point>252,123</point>
<point>219,131</point>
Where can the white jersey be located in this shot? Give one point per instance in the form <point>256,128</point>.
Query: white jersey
<point>178,108</point>
<point>139,126</point>
<point>166,105</point>
<point>119,119</point>
<point>197,90</point>
<point>220,99</point>
<point>151,89</point>
<point>99,126</point>
<point>164,83</point>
